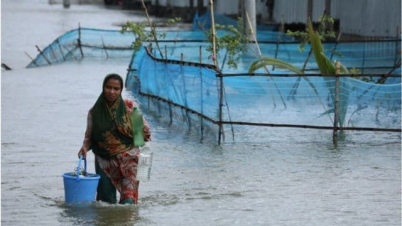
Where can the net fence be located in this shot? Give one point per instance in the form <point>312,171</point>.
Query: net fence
<point>278,100</point>
<point>185,88</point>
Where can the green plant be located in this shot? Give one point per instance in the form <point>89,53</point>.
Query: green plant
<point>234,42</point>
<point>142,35</point>
<point>138,29</point>
<point>325,66</point>
<point>323,31</point>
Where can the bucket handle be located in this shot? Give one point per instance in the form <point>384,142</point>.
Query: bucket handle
<point>79,166</point>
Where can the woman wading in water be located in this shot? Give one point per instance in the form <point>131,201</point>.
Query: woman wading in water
<point>109,135</point>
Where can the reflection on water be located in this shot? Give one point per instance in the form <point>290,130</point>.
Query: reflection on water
<point>98,213</point>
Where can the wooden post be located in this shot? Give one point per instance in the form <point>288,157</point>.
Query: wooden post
<point>104,46</point>
<point>336,44</point>
<point>33,61</point>
<point>397,47</point>
<point>249,11</point>
<point>214,55</point>
<point>277,49</point>
<point>79,40</point>
<point>200,55</point>
<point>309,10</point>
<point>169,104</point>
<point>202,96</point>
<point>153,32</point>
<point>220,133</point>
<point>54,55</point>
<point>166,52</point>
<point>364,56</point>
<point>41,53</point>
<point>61,51</point>
<point>185,91</point>
<point>336,105</point>
<point>6,67</point>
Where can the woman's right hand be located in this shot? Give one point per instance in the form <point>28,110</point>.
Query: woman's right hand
<point>83,151</point>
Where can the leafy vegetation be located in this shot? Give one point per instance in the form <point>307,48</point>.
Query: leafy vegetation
<point>325,66</point>
<point>234,42</point>
<point>323,31</point>
<point>142,35</point>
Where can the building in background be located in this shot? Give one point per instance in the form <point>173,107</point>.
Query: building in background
<point>369,18</point>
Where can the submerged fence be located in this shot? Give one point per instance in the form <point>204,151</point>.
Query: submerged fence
<point>185,87</point>
<point>371,56</point>
<point>184,90</point>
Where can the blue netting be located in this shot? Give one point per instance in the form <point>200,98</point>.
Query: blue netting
<point>94,43</point>
<point>267,100</point>
<point>180,89</point>
<point>204,22</point>
<point>85,42</point>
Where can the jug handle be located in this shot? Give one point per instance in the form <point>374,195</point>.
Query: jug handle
<point>79,166</point>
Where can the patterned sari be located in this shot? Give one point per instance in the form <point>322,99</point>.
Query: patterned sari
<point>112,144</point>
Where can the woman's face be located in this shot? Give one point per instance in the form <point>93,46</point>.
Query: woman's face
<point>112,90</point>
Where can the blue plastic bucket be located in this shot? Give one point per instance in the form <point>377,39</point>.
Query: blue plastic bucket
<point>80,188</point>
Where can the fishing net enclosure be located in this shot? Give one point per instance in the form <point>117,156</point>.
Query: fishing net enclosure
<point>203,22</point>
<point>184,87</point>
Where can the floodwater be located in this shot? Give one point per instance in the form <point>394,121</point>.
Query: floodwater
<point>293,177</point>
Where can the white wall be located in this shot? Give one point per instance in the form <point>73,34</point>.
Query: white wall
<point>225,7</point>
<point>369,17</point>
<point>293,11</point>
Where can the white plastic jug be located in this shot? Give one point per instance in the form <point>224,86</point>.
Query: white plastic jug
<point>144,163</point>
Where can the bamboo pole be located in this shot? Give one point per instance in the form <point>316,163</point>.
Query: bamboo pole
<point>277,49</point>
<point>215,59</point>
<point>104,46</point>
<point>153,32</point>
<point>396,46</point>
<point>336,44</point>
<point>61,51</point>
<point>249,9</point>
<point>41,53</point>
<point>54,55</point>
<point>336,105</point>
<point>220,111</point>
<point>6,67</point>
<point>214,55</point>
<point>265,67</point>
<point>254,36</point>
<point>200,56</point>
<point>202,96</point>
<point>33,61</point>
<point>364,57</point>
<point>79,40</point>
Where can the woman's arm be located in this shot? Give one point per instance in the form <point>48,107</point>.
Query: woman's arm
<point>87,139</point>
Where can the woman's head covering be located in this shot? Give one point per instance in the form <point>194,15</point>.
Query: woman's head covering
<point>113,76</point>
<point>111,126</point>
